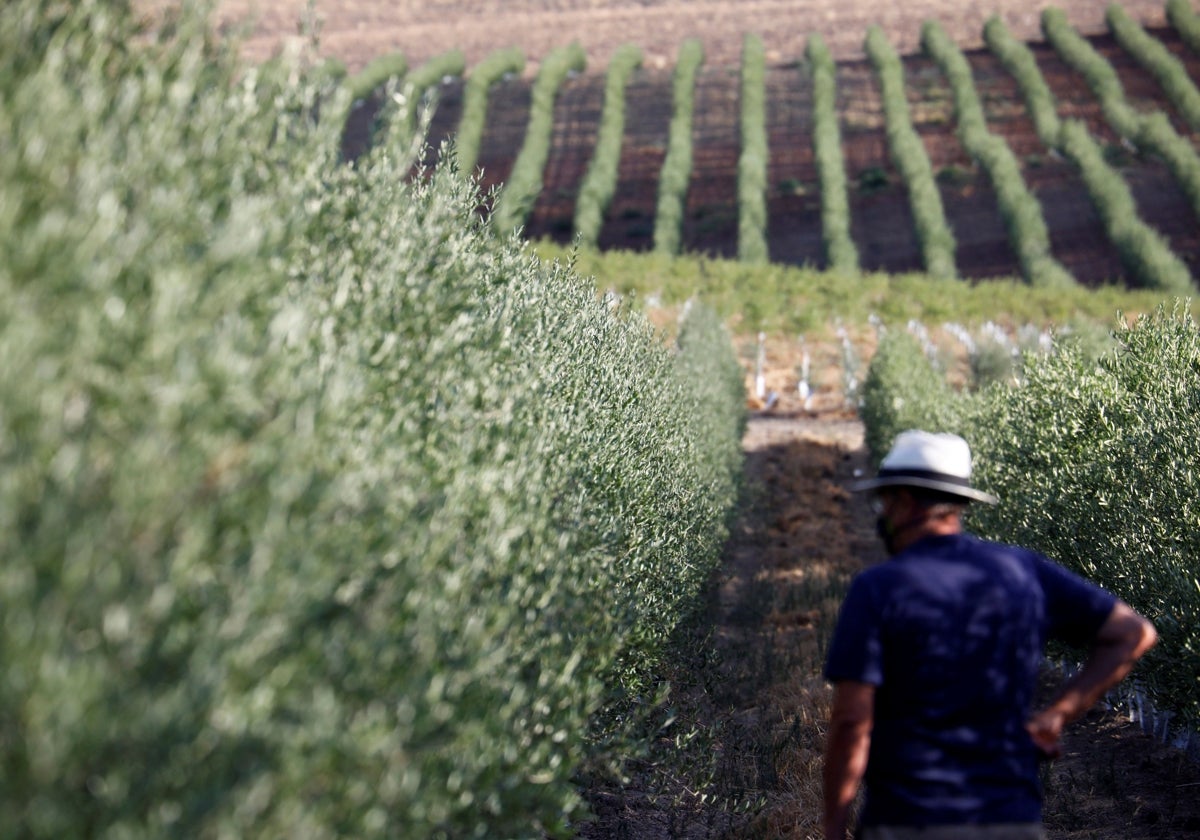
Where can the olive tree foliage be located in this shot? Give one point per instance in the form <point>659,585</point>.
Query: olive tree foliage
<point>1019,207</point>
<point>1094,463</point>
<point>1147,256</point>
<point>520,192</point>
<point>676,170</point>
<point>754,156</point>
<point>324,510</point>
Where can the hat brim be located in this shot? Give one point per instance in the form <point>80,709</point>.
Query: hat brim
<point>969,494</point>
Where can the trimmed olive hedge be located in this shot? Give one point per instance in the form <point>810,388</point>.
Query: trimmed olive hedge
<point>600,181</point>
<point>677,165</point>
<point>934,236</point>
<point>325,511</point>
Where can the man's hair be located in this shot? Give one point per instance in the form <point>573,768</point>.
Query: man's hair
<point>937,503</point>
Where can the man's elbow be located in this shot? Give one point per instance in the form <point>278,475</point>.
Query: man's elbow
<point>1129,631</point>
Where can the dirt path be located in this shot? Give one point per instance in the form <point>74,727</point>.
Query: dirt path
<point>743,759</point>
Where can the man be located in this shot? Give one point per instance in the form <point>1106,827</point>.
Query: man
<point>935,658</point>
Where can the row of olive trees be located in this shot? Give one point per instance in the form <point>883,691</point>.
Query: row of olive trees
<point>326,510</point>
<point>524,183</point>
<point>1144,252</point>
<point>753,158</point>
<point>1152,133</point>
<point>840,250</point>
<point>600,181</point>
<point>494,67</point>
<point>677,165</point>
<point>934,235</point>
<point>1185,21</point>
<point>1019,207</point>
<point>1156,58</point>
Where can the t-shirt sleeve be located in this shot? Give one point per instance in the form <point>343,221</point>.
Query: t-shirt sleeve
<point>1075,607</point>
<point>855,652</point>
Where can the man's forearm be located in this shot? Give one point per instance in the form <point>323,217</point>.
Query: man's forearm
<point>846,749</point>
<point>1125,637</point>
<point>845,762</point>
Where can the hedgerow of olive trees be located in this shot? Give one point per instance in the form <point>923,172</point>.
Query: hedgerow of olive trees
<point>1146,255</point>
<point>1161,62</point>
<point>1093,463</point>
<point>752,161</point>
<point>325,510</point>
<point>378,72</point>
<point>600,181</point>
<point>1019,61</point>
<point>677,165</point>
<point>1149,132</point>
<point>840,251</point>
<point>908,152</point>
<point>524,183</point>
<point>494,66</point>
<point>1185,21</point>
<point>1020,208</point>
<point>1108,449</point>
<point>421,81</point>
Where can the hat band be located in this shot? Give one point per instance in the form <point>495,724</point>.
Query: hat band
<point>927,475</point>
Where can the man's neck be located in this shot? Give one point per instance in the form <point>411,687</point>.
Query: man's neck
<point>926,526</point>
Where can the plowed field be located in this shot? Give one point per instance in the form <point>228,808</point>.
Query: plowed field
<point>881,220</point>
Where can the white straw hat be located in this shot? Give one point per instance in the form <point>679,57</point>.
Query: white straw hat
<point>940,462</point>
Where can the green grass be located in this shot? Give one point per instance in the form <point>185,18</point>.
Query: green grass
<point>790,300</point>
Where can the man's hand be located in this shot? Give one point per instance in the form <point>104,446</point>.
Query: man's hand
<point>1045,728</point>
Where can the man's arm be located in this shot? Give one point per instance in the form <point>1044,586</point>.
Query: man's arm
<point>846,748</point>
<point>1121,641</point>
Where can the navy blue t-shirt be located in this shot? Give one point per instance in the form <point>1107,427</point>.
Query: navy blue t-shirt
<point>949,744</point>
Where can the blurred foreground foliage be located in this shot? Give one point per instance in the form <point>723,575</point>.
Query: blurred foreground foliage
<point>324,511</point>
<point>1094,459</point>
